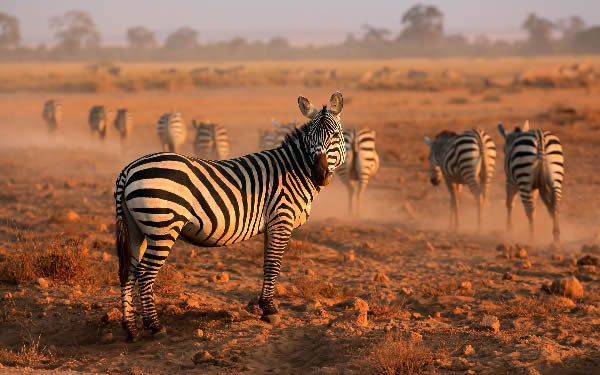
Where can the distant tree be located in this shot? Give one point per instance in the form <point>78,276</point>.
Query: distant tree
<point>75,30</point>
<point>422,23</point>
<point>10,35</point>
<point>238,43</point>
<point>182,38</point>
<point>539,30</point>
<point>278,43</point>
<point>140,37</point>
<point>375,34</point>
<point>570,26</point>
<point>586,41</point>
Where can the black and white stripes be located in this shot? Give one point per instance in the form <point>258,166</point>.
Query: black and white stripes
<point>274,137</point>
<point>362,162</point>
<point>98,119</point>
<point>211,141</point>
<point>171,131</point>
<point>123,122</point>
<point>52,114</point>
<point>468,158</point>
<point>216,203</point>
<point>534,163</point>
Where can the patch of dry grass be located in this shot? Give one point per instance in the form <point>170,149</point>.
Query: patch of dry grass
<point>310,287</point>
<point>532,307</point>
<point>384,309</point>
<point>397,355</point>
<point>31,354</point>
<point>439,289</point>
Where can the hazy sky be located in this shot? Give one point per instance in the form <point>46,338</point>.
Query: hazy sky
<point>317,21</point>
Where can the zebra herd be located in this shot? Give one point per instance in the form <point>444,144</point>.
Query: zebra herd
<point>215,201</point>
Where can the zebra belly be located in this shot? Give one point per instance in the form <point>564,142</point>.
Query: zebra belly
<point>202,236</point>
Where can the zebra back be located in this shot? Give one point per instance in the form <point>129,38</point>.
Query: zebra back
<point>171,130</point>
<point>211,141</point>
<point>123,122</point>
<point>97,120</point>
<point>52,113</point>
<point>362,160</point>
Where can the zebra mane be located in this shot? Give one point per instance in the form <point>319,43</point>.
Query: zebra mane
<point>445,133</point>
<point>297,133</point>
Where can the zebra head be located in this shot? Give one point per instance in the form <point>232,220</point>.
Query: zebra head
<point>324,137</point>
<point>509,138</point>
<point>436,148</point>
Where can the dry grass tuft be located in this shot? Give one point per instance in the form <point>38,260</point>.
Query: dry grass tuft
<point>531,307</point>
<point>383,309</point>
<point>397,355</point>
<point>31,354</point>
<point>451,288</point>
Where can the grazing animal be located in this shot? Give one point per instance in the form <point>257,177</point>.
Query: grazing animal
<point>533,163</point>
<point>362,162</point>
<point>52,114</point>
<point>217,203</point>
<point>123,123</point>
<point>171,131</point>
<point>211,142</point>
<point>98,120</point>
<point>468,158</point>
<point>274,137</point>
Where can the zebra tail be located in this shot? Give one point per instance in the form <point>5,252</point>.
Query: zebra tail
<point>123,243</point>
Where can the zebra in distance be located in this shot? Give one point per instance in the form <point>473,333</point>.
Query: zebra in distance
<point>52,113</point>
<point>98,120</point>
<point>362,162</point>
<point>171,131</point>
<point>274,137</point>
<point>534,164</point>
<point>123,122</point>
<point>468,158</point>
<point>211,141</point>
<point>217,203</point>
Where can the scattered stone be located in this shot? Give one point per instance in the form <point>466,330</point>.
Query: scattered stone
<point>414,336</point>
<point>460,364</point>
<point>406,291</point>
<point>193,254</point>
<point>309,272</point>
<point>568,287</point>
<point>349,256</point>
<point>369,245</point>
<point>7,296</point>
<point>172,310</point>
<point>222,277</point>
<point>490,323</point>
<point>68,216</point>
<point>508,276</point>
<point>521,253</point>
<point>557,258</point>
<point>355,313</point>
<point>531,371</point>
<point>42,283</point>
<point>280,290</point>
<point>106,256</point>
<point>416,315</point>
<point>468,350</point>
<point>525,265</point>
<point>381,278</point>
<point>437,314</point>
<point>466,285</point>
<point>70,184</point>
<point>429,246</point>
<point>112,315</point>
<point>102,228</point>
<point>589,260</point>
<point>192,302</point>
<point>203,357</point>
<point>353,304</point>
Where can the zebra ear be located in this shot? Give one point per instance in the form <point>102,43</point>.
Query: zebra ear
<point>307,108</point>
<point>428,140</point>
<point>336,103</point>
<point>525,127</point>
<point>501,130</point>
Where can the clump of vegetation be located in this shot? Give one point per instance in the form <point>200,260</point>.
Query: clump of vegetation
<point>531,307</point>
<point>395,354</point>
<point>31,354</point>
<point>309,287</point>
<point>384,309</point>
<point>451,288</point>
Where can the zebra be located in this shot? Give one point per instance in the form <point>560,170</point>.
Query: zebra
<point>98,120</point>
<point>171,131</point>
<point>123,123</point>
<point>274,137</point>
<point>52,113</point>
<point>361,163</point>
<point>212,141</point>
<point>533,163</point>
<point>218,203</point>
<point>468,158</point>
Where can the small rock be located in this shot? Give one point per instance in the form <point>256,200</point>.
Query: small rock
<point>350,318</point>
<point>354,304</point>
<point>525,265</point>
<point>102,228</point>
<point>406,291</point>
<point>460,364</point>
<point>106,256</point>
<point>172,310</point>
<point>466,285</point>
<point>7,296</point>
<point>202,357</point>
<point>437,314</point>
<point>309,272</point>
<point>381,277</point>
<point>193,254</point>
<point>112,315</point>
<point>222,277</point>
<point>68,216</point>
<point>521,253</point>
<point>589,260</point>
<point>416,315</point>
<point>531,371</point>
<point>199,333</point>
<point>508,276</point>
<point>280,290</point>
<point>192,302</point>
<point>414,336</point>
<point>70,184</point>
<point>490,323</point>
<point>369,245</point>
<point>468,350</point>
<point>557,258</point>
<point>42,283</point>
<point>349,256</point>
<point>429,246</point>
<point>568,286</point>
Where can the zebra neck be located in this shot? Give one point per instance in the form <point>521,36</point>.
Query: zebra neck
<point>295,151</point>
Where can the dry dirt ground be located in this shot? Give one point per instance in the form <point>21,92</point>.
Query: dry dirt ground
<point>427,289</point>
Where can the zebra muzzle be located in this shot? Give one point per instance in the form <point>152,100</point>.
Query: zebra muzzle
<point>320,171</point>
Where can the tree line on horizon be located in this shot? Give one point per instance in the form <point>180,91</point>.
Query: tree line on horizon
<point>77,38</point>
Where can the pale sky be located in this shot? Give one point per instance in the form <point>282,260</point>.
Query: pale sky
<point>315,21</point>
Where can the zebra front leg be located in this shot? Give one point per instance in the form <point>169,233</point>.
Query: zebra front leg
<point>454,190</point>
<point>511,194</point>
<point>361,192</point>
<point>276,240</point>
<point>350,197</point>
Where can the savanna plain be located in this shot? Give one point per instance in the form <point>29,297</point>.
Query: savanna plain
<point>390,292</point>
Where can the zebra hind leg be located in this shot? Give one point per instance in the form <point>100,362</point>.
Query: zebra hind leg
<point>528,197</point>
<point>511,194</point>
<point>276,241</point>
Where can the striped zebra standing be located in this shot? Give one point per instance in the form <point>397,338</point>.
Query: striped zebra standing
<point>534,164</point>
<point>274,137</point>
<point>211,141</point>
<point>468,158</point>
<point>123,123</point>
<point>52,114</point>
<point>171,131</point>
<point>217,203</point>
<point>98,120</point>
<point>362,162</point>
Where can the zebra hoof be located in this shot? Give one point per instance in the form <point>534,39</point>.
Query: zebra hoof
<point>159,333</point>
<point>274,319</point>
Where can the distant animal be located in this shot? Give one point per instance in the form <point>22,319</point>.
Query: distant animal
<point>533,163</point>
<point>468,158</point>
<point>98,120</point>
<point>123,122</point>
<point>362,162</point>
<point>211,141</point>
<point>52,113</point>
<point>171,131</point>
<point>274,137</point>
<point>216,203</point>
